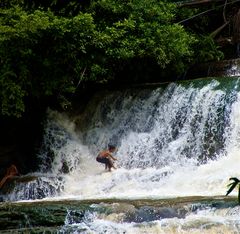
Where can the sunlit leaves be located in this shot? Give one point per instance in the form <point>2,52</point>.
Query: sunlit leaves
<point>49,48</point>
<point>42,51</point>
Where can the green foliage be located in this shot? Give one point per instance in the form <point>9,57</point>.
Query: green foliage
<point>40,53</point>
<point>232,186</point>
<point>206,50</point>
<point>11,95</point>
<point>49,48</point>
<point>141,30</point>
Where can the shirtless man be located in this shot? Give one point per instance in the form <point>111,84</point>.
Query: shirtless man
<point>106,157</point>
<point>11,172</point>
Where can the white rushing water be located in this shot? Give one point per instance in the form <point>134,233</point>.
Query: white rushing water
<point>176,141</point>
<point>172,142</point>
<point>207,221</point>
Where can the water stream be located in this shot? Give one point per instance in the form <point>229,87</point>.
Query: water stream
<point>173,141</point>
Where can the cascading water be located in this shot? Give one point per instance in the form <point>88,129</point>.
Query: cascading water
<point>179,140</point>
<point>174,142</point>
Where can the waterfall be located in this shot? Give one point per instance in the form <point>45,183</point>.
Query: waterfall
<point>176,140</point>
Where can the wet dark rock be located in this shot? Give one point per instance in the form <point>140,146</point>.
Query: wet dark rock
<point>41,216</point>
<point>12,182</point>
<point>75,216</point>
<point>147,214</point>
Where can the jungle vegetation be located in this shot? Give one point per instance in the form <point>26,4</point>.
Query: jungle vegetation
<point>52,47</point>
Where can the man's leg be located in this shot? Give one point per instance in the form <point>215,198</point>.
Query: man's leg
<point>111,164</point>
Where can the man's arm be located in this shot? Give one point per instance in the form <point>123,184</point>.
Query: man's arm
<point>109,155</point>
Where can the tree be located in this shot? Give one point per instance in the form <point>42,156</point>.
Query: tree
<point>48,48</point>
<point>41,55</point>
<point>142,30</point>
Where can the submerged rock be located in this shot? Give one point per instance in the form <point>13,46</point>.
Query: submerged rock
<point>10,184</point>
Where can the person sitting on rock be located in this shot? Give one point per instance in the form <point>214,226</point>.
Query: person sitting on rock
<point>11,172</point>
